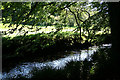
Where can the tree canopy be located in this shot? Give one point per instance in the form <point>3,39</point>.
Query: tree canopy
<point>90,16</point>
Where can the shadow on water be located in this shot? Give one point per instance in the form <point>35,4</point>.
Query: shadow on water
<point>26,68</point>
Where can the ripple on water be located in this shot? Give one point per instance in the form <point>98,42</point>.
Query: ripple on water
<point>26,68</point>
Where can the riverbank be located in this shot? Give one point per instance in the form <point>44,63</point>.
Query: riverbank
<point>41,47</point>
<point>38,47</point>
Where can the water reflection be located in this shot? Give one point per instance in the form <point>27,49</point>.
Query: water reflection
<point>26,68</point>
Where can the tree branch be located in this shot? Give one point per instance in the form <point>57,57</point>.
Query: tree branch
<point>59,9</point>
<point>78,16</point>
<point>74,16</point>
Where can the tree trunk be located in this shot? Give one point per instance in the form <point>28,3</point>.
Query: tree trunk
<point>80,34</point>
<point>114,11</point>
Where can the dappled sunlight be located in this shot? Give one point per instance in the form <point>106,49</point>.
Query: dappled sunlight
<point>55,40</point>
<point>47,29</point>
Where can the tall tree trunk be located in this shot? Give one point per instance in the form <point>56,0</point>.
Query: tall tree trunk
<point>80,34</point>
<point>114,11</point>
<point>77,21</point>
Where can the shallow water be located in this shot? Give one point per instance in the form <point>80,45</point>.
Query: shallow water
<point>26,68</point>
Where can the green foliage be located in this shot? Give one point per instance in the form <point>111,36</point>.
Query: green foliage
<point>88,15</point>
<point>31,46</point>
<point>91,18</point>
<point>101,39</point>
<point>34,44</point>
<point>48,73</point>
<point>14,12</point>
<point>102,67</point>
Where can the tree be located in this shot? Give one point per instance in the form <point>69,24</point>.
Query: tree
<point>80,14</point>
<point>30,13</point>
<point>114,23</point>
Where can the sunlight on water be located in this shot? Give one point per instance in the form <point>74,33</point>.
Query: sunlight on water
<point>26,68</point>
<point>0,75</point>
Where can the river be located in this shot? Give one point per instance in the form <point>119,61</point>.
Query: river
<point>27,67</point>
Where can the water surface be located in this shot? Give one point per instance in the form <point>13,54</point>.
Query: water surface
<point>26,68</point>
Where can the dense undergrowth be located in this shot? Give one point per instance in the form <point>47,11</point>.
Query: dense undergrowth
<point>32,47</point>
<point>37,47</point>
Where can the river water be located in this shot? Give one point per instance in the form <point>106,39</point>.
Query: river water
<point>26,68</point>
